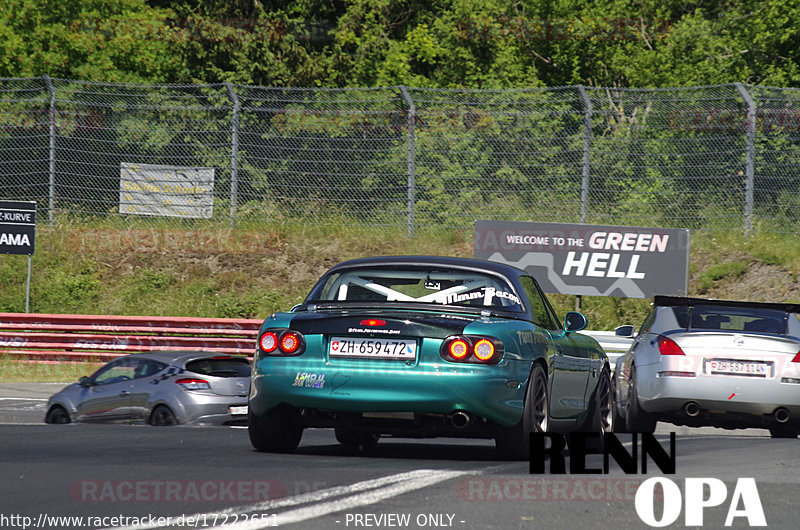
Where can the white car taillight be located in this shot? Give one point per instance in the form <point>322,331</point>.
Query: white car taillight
<point>667,346</point>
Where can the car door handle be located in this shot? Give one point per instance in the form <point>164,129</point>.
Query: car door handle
<point>124,393</point>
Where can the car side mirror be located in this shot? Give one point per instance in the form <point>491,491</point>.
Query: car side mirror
<point>574,321</point>
<point>84,382</point>
<point>624,331</point>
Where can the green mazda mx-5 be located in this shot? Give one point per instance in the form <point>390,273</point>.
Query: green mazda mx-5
<point>423,346</point>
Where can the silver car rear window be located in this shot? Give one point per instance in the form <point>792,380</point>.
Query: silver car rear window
<point>741,319</point>
<point>220,366</point>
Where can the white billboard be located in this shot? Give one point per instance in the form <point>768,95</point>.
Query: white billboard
<point>169,191</point>
<point>592,260</point>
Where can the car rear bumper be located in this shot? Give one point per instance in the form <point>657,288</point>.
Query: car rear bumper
<point>203,409</point>
<point>661,393</point>
<point>493,393</point>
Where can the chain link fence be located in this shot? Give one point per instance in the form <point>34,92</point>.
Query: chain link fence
<point>705,158</point>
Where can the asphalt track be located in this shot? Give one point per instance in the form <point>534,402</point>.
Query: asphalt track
<point>147,477</point>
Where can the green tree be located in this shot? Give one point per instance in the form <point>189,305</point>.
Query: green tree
<point>120,40</point>
<point>656,43</point>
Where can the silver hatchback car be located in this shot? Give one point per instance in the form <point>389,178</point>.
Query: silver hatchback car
<point>159,388</point>
<point>720,363</point>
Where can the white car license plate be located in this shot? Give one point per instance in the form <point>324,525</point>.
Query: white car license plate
<point>238,410</point>
<point>731,367</point>
<point>369,348</point>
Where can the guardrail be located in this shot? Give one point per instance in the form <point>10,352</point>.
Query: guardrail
<point>55,338</point>
<point>613,345</point>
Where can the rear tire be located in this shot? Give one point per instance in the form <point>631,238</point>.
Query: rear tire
<point>619,421</point>
<point>356,439</point>
<point>273,431</point>
<point>57,415</point>
<point>638,419</point>
<point>601,420</point>
<point>162,416</point>
<point>783,431</point>
<point>513,443</point>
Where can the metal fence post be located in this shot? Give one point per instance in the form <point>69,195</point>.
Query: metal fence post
<point>587,145</point>
<point>412,167</point>
<point>750,157</point>
<point>234,151</point>
<point>52,155</point>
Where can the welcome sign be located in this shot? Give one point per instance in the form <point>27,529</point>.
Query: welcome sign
<point>591,260</point>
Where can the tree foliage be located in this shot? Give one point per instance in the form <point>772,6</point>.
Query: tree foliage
<point>119,40</point>
<point>443,43</point>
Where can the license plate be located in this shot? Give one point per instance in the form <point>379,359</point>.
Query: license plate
<point>240,410</point>
<point>728,366</point>
<point>368,348</point>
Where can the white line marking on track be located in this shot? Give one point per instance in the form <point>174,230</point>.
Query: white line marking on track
<point>355,495</point>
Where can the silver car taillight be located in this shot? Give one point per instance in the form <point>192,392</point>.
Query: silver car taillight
<point>667,346</point>
<point>190,383</point>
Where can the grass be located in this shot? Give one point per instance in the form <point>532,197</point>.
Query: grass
<point>15,371</point>
<point>714,273</point>
<point>213,271</point>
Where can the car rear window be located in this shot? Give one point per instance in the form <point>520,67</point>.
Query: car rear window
<point>707,317</point>
<point>220,366</point>
<point>418,285</point>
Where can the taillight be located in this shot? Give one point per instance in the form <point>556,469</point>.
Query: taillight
<point>484,350</point>
<point>290,342</point>
<point>458,349</point>
<point>472,349</point>
<point>282,342</point>
<point>796,358</point>
<point>667,346</point>
<point>190,383</point>
<point>372,322</point>
<point>268,342</point>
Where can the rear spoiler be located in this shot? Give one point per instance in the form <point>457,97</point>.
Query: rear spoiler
<point>686,301</point>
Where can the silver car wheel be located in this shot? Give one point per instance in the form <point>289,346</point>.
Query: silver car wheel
<point>162,417</point>
<point>638,419</point>
<point>57,415</point>
<point>619,423</point>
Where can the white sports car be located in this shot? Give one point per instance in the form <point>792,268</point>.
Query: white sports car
<point>719,363</point>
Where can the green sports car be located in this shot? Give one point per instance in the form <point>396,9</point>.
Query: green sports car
<point>424,346</point>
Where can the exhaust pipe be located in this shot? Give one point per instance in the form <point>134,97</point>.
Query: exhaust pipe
<point>782,415</point>
<point>691,409</point>
<point>460,419</point>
